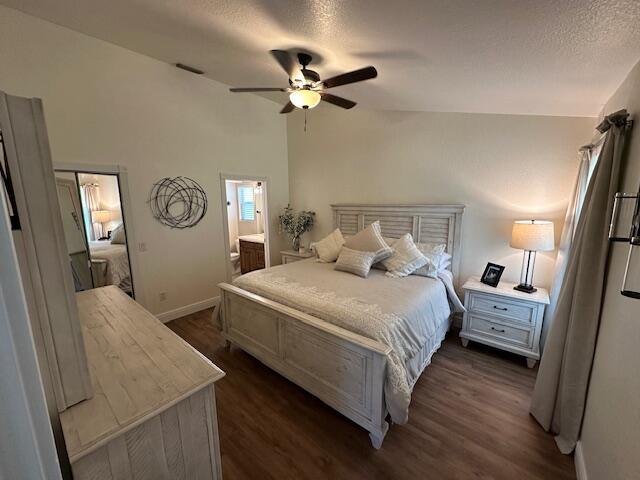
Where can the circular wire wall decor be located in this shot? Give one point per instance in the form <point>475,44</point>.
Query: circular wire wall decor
<point>178,202</point>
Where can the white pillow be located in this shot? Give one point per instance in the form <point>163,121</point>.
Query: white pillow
<point>389,241</point>
<point>370,240</point>
<point>329,247</point>
<point>118,235</point>
<point>406,258</point>
<point>355,261</point>
<point>445,262</point>
<point>434,253</point>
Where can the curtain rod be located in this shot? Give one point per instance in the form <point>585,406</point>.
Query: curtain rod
<point>602,135</point>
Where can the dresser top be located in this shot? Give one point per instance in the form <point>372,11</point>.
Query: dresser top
<point>506,289</point>
<point>138,367</point>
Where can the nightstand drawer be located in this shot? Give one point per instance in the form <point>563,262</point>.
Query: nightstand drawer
<point>499,307</point>
<point>495,330</point>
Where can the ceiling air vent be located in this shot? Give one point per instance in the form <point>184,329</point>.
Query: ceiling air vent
<point>188,68</point>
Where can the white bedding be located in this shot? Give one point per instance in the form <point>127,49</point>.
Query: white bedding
<point>408,314</point>
<point>117,263</point>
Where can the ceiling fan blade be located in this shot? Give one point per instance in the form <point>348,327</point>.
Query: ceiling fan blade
<point>339,101</point>
<point>257,89</point>
<point>288,108</point>
<point>288,64</point>
<point>351,77</point>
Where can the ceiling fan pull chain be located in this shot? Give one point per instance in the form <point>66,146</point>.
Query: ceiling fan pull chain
<point>305,120</point>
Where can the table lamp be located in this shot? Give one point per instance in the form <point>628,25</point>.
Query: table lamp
<point>101,217</point>
<point>531,236</point>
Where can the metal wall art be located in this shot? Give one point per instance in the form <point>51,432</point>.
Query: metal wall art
<point>178,202</point>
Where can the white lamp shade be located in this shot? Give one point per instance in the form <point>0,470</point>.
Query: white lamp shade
<point>304,98</point>
<point>533,235</point>
<point>101,216</point>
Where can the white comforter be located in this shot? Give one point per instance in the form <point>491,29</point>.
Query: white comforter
<point>117,262</point>
<point>402,313</point>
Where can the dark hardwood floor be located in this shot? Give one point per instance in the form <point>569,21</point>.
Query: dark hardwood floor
<point>468,419</point>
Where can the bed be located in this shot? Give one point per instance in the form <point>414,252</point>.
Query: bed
<point>110,264</point>
<point>357,344</point>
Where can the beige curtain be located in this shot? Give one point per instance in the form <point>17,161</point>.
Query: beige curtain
<point>91,200</point>
<point>566,239</point>
<point>563,377</point>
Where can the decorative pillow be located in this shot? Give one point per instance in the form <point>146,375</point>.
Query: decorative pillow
<point>434,253</point>
<point>370,240</point>
<point>406,258</point>
<point>329,247</point>
<point>355,261</point>
<point>445,262</point>
<point>118,235</point>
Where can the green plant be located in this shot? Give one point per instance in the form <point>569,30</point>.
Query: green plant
<point>295,224</point>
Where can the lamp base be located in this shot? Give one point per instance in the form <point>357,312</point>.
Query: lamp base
<point>525,288</point>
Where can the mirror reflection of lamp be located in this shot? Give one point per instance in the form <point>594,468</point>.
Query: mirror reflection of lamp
<point>101,217</point>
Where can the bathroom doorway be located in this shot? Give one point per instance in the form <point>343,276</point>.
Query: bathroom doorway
<point>246,226</point>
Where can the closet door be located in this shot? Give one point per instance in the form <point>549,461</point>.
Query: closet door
<point>42,252</point>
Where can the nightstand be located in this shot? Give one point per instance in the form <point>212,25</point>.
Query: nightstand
<point>504,318</point>
<point>290,256</point>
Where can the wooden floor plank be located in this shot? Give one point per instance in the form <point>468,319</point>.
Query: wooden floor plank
<point>468,419</point>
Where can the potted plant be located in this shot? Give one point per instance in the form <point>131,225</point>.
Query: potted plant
<point>295,224</point>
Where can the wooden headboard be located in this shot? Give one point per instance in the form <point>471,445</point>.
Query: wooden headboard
<point>426,223</point>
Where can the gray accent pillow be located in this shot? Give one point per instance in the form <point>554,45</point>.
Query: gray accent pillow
<point>370,240</point>
<point>355,261</point>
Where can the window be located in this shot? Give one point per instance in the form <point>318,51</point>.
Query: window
<point>246,203</point>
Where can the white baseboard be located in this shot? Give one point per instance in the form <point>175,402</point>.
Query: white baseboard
<point>165,317</point>
<point>578,459</point>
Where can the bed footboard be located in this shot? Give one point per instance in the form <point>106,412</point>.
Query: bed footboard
<point>343,369</point>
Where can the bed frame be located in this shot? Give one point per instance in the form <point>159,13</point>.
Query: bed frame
<point>343,369</point>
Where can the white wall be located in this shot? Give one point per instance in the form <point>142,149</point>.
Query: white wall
<point>611,430</point>
<point>502,167</point>
<point>107,105</point>
<point>232,213</point>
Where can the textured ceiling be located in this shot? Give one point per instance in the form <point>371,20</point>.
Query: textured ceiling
<point>548,57</point>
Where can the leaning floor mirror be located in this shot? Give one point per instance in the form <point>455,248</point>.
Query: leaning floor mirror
<point>95,230</point>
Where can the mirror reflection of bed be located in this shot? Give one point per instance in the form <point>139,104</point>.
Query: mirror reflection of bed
<point>95,233</point>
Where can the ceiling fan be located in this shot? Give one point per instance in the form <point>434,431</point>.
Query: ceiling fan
<point>305,87</point>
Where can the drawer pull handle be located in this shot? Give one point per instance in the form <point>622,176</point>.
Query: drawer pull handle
<point>497,329</point>
<point>504,309</point>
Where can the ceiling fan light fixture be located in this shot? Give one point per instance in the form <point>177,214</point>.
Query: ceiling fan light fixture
<point>305,98</point>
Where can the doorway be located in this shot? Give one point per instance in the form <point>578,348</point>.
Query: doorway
<point>245,221</point>
<point>96,227</point>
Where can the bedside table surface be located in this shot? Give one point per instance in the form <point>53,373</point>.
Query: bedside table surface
<point>293,253</point>
<point>506,289</point>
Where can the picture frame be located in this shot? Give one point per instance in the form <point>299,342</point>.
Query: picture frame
<point>492,274</point>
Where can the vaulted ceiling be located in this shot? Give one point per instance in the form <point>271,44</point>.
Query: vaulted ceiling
<point>547,57</point>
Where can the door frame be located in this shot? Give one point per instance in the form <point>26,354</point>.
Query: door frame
<point>31,451</point>
<point>127,215</point>
<point>73,187</point>
<point>225,217</point>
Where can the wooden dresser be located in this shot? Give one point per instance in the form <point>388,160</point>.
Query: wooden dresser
<point>153,412</point>
<point>251,256</point>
